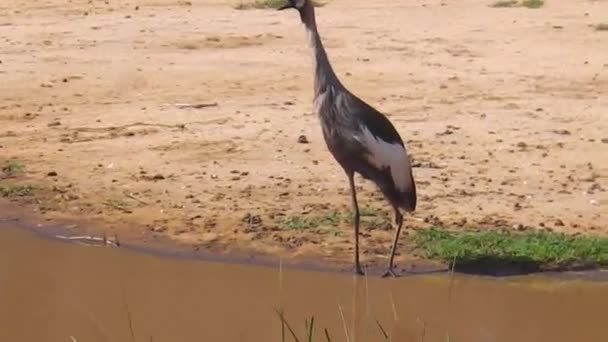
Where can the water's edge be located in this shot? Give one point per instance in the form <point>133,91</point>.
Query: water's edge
<point>167,248</point>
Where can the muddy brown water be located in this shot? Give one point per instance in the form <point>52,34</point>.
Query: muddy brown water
<point>52,290</point>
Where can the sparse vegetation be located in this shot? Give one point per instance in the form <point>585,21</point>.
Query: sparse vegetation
<point>539,247</point>
<point>601,27</point>
<point>515,3</point>
<point>329,221</point>
<point>532,3</point>
<point>16,190</point>
<point>264,4</point>
<point>505,3</point>
<point>12,167</point>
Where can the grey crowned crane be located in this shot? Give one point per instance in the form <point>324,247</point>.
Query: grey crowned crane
<point>360,138</point>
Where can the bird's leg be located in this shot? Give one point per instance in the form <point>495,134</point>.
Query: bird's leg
<point>399,221</point>
<point>353,192</point>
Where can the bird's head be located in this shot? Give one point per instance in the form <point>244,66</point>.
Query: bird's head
<point>296,4</point>
<point>304,7</point>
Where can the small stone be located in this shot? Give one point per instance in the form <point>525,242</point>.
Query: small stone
<point>52,174</point>
<point>559,223</point>
<point>252,219</point>
<point>158,177</point>
<point>302,139</point>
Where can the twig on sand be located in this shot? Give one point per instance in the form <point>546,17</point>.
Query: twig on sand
<point>92,240</point>
<point>131,196</point>
<point>195,105</point>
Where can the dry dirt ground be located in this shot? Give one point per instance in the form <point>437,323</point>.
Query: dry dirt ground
<point>183,118</point>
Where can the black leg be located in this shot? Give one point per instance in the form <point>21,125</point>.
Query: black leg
<point>353,192</point>
<point>399,221</point>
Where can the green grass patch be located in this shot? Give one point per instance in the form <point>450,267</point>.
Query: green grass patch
<point>328,221</point>
<point>540,247</point>
<point>533,3</point>
<point>601,27</point>
<point>267,4</point>
<point>17,190</point>
<point>12,167</point>
<point>504,3</point>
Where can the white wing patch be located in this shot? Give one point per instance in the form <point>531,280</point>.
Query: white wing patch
<point>383,154</point>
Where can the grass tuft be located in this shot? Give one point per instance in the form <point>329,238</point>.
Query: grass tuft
<point>539,247</point>
<point>12,167</point>
<point>16,190</point>
<point>331,218</point>
<point>504,3</point>
<point>533,3</point>
<point>515,3</point>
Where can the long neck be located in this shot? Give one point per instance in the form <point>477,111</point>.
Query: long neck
<point>324,75</point>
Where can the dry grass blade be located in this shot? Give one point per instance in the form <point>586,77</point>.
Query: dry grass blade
<point>393,306</point>
<point>423,334</point>
<point>282,330</point>
<point>450,288</point>
<point>343,322</point>
<point>285,323</point>
<point>384,333</point>
<point>310,328</point>
<point>126,305</point>
<point>327,335</point>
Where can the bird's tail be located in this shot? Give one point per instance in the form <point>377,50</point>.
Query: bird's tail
<point>409,197</point>
<point>405,199</point>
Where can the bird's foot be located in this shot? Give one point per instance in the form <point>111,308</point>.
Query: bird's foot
<point>390,272</point>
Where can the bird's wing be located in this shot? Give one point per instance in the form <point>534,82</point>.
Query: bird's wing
<point>376,122</point>
<point>384,145</point>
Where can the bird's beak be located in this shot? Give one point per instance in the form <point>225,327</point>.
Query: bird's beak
<point>287,5</point>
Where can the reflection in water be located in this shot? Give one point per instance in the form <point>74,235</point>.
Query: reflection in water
<point>52,291</point>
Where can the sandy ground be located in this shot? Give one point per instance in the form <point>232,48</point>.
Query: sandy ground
<point>502,109</point>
